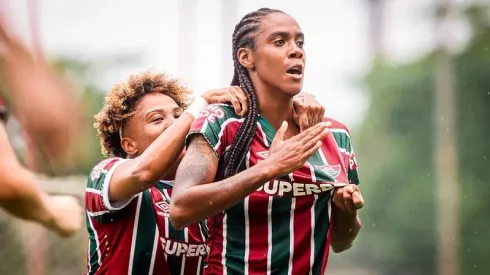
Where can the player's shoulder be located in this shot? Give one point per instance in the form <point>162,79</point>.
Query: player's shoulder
<point>218,113</point>
<point>102,168</point>
<point>337,126</point>
<point>335,123</point>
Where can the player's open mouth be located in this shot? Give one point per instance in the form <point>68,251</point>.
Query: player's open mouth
<point>295,72</point>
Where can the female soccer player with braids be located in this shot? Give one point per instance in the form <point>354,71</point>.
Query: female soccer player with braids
<point>268,199</point>
<point>142,128</point>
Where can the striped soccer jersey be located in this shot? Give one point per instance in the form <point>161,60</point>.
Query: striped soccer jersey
<point>136,236</point>
<point>284,227</point>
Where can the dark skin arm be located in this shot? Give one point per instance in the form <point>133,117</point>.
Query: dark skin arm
<point>200,165</point>
<point>140,173</point>
<point>346,222</point>
<point>195,196</point>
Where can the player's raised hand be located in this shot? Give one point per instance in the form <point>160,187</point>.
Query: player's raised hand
<point>286,156</point>
<point>307,111</point>
<point>67,215</point>
<point>232,94</point>
<point>348,198</point>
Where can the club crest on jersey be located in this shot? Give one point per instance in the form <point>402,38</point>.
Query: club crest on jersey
<point>331,170</point>
<point>164,206</point>
<point>102,168</point>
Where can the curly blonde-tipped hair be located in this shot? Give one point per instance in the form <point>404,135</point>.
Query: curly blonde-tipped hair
<point>121,101</point>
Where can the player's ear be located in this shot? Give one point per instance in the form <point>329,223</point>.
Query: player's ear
<point>129,146</point>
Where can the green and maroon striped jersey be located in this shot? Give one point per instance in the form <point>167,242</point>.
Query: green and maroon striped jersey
<point>284,227</point>
<point>136,236</point>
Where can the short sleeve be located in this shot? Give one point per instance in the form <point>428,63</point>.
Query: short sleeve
<point>216,123</point>
<point>353,172</point>
<point>97,191</point>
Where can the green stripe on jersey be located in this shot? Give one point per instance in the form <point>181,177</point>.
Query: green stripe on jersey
<point>92,246</point>
<point>175,262</point>
<point>343,140</point>
<point>235,242</point>
<point>321,226</point>
<point>281,217</point>
<point>145,235</point>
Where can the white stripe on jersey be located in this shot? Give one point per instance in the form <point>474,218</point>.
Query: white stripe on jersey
<point>93,191</point>
<point>312,240</point>
<point>222,130</point>
<point>340,130</point>
<point>186,238</point>
<point>223,253</point>
<point>98,213</point>
<point>269,233</point>
<point>247,222</point>
<point>165,196</point>
<point>135,231</point>
<point>269,213</point>
<point>291,236</point>
<point>154,252</point>
<point>99,255</point>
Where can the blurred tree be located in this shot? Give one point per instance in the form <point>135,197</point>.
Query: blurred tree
<point>396,152</point>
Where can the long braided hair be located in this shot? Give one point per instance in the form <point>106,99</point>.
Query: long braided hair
<point>244,37</point>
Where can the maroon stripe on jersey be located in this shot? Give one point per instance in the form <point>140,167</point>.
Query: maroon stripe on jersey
<point>258,239</point>
<point>93,202</point>
<point>161,266</point>
<point>332,155</point>
<point>215,243</point>
<point>110,163</point>
<point>197,125</point>
<point>115,241</point>
<point>302,235</point>
<point>327,246</point>
<point>231,127</point>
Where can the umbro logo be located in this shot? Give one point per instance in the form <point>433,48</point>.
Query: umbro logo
<point>164,206</point>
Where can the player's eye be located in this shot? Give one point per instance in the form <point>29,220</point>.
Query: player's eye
<point>279,42</point>
<point>157,119</point>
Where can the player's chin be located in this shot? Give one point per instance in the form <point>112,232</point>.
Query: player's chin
<point>292,88</point>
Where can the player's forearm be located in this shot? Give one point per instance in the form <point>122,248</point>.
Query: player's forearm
<point>206,200</point>
<point>144,171</point>
<point>22,197</point>
<point>161,155</point>
<point>346,226</point>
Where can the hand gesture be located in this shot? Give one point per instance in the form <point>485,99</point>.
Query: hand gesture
<point>232,94</point>
<point>348,198</point>
<point>286,156</point>
<point>307,111</point>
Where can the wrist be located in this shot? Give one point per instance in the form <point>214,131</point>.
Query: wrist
<point>46,216</point>
<point>196,107</point>
<point>267,170</point>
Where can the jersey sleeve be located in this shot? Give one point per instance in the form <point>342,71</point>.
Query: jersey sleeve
<point>343,138</point>
<point>216,123</point>
<point>353,172</point>
<point>97,191</point>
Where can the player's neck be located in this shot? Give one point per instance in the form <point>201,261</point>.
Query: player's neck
<point>275,107</point>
